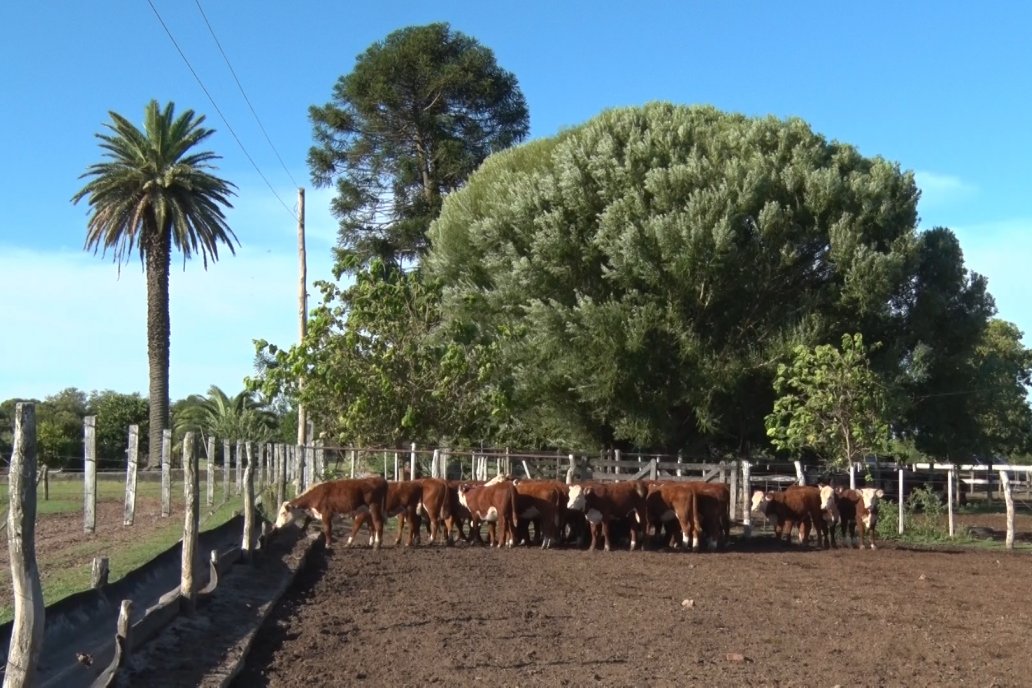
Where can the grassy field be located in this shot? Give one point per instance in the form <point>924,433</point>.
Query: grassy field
<point>64,553</point>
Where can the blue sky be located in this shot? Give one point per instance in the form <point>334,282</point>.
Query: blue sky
<point>942,88</point>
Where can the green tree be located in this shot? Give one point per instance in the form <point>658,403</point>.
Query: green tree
<point>59,428</point>
<point>155,192</point>
<point>419,112</point>
<point>642,274</point>
<point>241,417</point>
<point>942,318</point>
<point>115,412</point>
<point>829,403</point>
<point>375,370</point>
<point>1003,375</point>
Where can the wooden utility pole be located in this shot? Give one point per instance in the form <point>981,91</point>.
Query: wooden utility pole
<point>302,308</point>
<point>29,613</point>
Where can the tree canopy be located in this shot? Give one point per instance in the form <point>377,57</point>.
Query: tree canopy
<point>418,113</point>
<point>644,273</point>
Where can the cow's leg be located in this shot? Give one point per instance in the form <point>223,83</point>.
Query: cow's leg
<point>606,532</point>
<point>358,520</point>
<point>412,517</point>
<point>327,522</point>
<point>400,529</point>
<point>378,517</point>
<point>593,528</point>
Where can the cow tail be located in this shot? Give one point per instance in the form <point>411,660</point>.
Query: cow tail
<point>512,511</point>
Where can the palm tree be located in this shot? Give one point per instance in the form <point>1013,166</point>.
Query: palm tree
<point>242,417</point>
<point>152,193</point>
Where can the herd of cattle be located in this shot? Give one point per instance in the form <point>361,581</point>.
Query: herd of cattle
<point>676,513</point>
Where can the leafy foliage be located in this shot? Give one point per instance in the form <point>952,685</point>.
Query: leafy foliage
<point>419,112</point>
<point>375,369</point>
<point>829,403</point>
<point>641,275</point>
<point>241,417</point>
<point>115,412</point>
<point>152,193</point>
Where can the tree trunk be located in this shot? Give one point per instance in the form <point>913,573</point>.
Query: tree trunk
<point>158,255</point>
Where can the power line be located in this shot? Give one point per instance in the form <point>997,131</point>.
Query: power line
<point>215,105</point>
<point>241,87</point>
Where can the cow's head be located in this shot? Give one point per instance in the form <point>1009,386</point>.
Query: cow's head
<point>288,513</point>
<point>577,497</point>
<point>829,505</point>
<point>760,500</point>
<point>870,497</point>
<point>463,490</point>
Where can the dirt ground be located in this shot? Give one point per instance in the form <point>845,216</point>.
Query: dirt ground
<point>62,544</point>
<point>756,615</point>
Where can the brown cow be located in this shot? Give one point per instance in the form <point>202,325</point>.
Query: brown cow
<point>403,500</point>
<point>347,497</point>
<point>495,504</point>
<point>859,509</point>
<point>602,503</point>
<point>544,503</point>
<point>671,500</point>
<point>798,506</point>
<point>714,506</point>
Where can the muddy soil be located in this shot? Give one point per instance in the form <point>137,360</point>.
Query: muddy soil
<point>758,614</point>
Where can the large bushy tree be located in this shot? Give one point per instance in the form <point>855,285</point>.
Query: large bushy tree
<point>115,412</point>
<point>155,192</point>
<point>644,273</point>
<point>417,114</point>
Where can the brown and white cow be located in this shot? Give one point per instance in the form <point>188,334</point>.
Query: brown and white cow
<point>494,504</point>
<point>714,506</point>
<point>830,517</point>
<point>670,500</point>
<point>603,503</point>
<point>403,500</point>
<point>347,497</point>
<point>798,506</point>
<point>542,502</point>
<point>859,509</point>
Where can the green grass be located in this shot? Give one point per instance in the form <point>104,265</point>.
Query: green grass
<point>63,577</point>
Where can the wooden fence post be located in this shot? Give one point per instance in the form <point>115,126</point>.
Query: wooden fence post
<point>187,585</point>
<point>412,462</point>
<point>735,472</point>
<point>99,572</point>
<point>46,483</point>
<point>225,470</point>
<point>281,475</point>
<point>89,502</point>
<point>209,473</point>
<point>899,494</point>
<point>239,467</point>
<point>1008,497</point>
<point>166,473</point>
<point>949,498</point>
<point>248,540</point>
<point>619,456</point>
<point>130,476</point>
<point>571,472</point>
<point>320,462</point>
<point>29,613</point>
<point>746,500</point>
<point>800,476</point>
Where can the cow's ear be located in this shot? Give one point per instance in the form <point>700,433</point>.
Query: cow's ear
<point>880,493</point>
<point>588,490</point>
<point>768,496</point>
